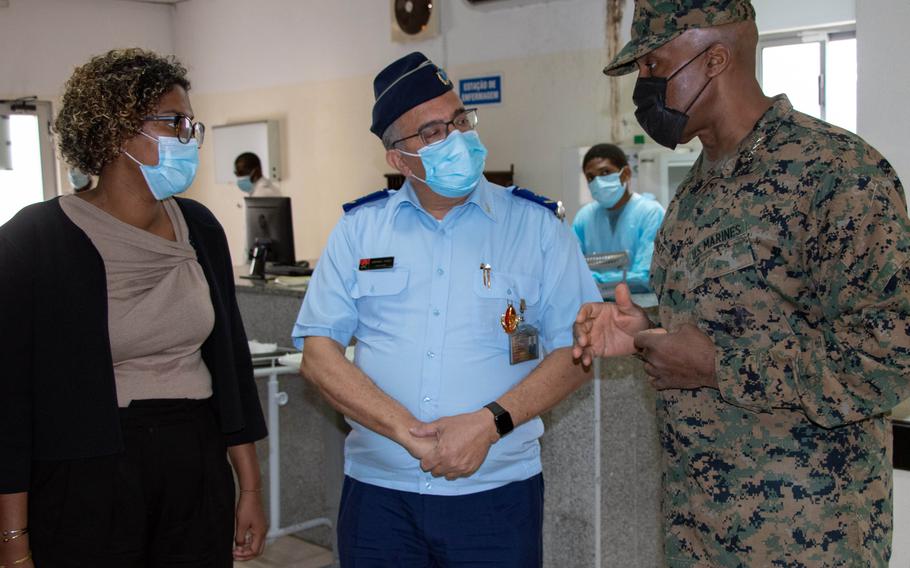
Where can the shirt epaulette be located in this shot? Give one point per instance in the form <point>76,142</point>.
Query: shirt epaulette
<point>369,198</point>
<point>554,206</point>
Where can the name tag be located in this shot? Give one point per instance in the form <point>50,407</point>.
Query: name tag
<point>524,344</point>
<point>376,263</point>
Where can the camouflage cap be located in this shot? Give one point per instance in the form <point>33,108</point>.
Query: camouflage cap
<point>658,21</point>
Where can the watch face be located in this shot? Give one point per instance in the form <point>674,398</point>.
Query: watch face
<point>504,423</point>
<point>501,418</point>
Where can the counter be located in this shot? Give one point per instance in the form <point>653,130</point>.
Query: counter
<point>602,503</point>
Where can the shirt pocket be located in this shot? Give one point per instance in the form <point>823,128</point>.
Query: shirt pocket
<point>731,300</point>
<point>376,294</point>
<point>491,302</point>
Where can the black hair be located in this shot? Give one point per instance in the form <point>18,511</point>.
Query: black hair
<point>249,159</point>
<point>608,152</point>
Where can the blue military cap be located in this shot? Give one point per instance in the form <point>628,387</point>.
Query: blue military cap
<point>406,83</point>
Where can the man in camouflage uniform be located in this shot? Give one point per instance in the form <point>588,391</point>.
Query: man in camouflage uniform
<point>784,287</point>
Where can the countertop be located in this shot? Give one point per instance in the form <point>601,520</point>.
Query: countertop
<point>268,287</point>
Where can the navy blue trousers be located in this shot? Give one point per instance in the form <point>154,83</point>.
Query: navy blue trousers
<point>384,528</point>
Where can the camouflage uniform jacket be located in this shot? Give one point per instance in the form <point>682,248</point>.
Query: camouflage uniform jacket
<point>793,257</point>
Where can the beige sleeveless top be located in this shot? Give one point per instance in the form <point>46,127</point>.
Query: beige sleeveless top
<point>159,308</point>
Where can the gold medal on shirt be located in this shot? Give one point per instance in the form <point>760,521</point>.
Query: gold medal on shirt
<point>510,319</point>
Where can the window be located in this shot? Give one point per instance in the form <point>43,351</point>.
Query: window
<point>27,165</point>
<point>817,71</point>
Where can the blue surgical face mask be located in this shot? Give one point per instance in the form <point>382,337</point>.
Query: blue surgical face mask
<point>245,184</point>
<point>607,190</point>
<point>177,164</point>
<point>78,180</point>
<point>453,166</point>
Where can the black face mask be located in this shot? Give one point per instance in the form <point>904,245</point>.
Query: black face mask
<point>665,125</point>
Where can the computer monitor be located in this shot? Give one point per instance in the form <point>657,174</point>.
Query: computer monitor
<point>270,218</point>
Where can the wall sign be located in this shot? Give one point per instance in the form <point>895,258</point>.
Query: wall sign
<point>481,90</point>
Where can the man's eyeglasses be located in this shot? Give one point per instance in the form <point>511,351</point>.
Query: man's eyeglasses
<point>437,131</point>
<point>185,128</point>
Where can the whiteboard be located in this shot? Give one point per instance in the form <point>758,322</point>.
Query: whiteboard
<point>231,140</point>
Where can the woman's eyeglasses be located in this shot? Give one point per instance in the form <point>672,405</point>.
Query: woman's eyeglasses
<point>185,128</point>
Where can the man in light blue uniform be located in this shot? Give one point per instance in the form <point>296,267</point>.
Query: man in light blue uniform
<point>461,295</point>
<point>618,219</point>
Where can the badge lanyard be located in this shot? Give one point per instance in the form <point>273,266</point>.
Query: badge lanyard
<point>524,339</point>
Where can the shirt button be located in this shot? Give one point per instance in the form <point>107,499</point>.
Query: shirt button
<point>435,312</point>
<point>430,354</point>
<point>427,399</point>
<point>509,291</point>
<point>440,271</point>
<point>428,485</point>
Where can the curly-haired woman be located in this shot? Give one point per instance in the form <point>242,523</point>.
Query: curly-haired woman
<point>126,376</point>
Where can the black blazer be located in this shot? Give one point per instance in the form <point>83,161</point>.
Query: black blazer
<point>57,394</point>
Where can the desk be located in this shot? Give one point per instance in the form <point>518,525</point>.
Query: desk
<point>311,433</point>
<point>276,399</point>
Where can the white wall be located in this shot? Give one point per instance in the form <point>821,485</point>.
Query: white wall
<point>41,41</point>
<point>297,40</point>
<point>311,68</point>
<point>883,116</point>
<point>900,556</point>
<point>883,119</point>
<point>784,15</point>
<point>237,44</point>
<point>330,157</point>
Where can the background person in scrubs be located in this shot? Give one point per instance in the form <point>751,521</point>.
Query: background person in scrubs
<point>618,219</point>
<point>248,169</point>
<point>79,181</point>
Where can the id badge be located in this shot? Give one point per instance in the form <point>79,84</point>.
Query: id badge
<point>524,344</point>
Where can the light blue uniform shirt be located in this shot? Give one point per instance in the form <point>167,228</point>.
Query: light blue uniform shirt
<point>634,233</point>
<point>428,330</point>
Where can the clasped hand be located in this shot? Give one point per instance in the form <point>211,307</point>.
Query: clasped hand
<point>454,446</point>
<point>681,359</point>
